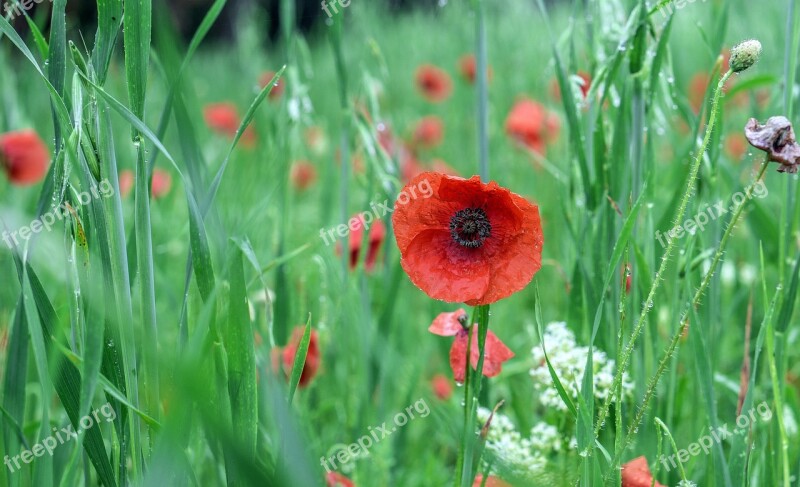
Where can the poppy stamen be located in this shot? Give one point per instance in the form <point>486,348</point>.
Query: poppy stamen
<point>470,227</point>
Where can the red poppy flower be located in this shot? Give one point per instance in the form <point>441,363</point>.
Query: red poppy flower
<point>495,353</point>
<point>334,479</point>
<point>442,387</point>
<point>625,273</point>
<point>224,119</point>
<point>429,132</point>
<point>736,146</point>
<point>529,124</point>
<point>125,182</point>
<point>585,85</point>
<point>303,175</point>
<point>278,89</point>
<point>433,83</point>
<point>285,357</point>
<point>161,183</point>
<point>636,473</point>
<point>24,157</point>
<point>698,86</point>
<point>375,238</point>
<point>490,482</point>
<point>697,90</point>
<point>468,66</point>
<point>468,242</point>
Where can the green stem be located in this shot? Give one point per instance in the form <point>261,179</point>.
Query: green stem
<point>694,170</point>
<point>473,384</point>
<point>662,366</point>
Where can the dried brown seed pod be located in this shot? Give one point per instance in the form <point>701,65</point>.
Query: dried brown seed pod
<point>776,138</point>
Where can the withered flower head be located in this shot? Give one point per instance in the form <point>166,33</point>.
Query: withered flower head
<point>776,138</point>
<point>744,55</point>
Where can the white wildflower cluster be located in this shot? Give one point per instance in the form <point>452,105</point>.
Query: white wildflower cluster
<point>686,483</point>
<point>568,360</point>
<point>525,455</point>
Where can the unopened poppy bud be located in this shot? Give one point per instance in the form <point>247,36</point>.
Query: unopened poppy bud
<point>744,55</point>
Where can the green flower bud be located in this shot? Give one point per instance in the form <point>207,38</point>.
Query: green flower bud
<point>744,55</point>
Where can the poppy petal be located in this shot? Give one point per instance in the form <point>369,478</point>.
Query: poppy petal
<point>448,324</point>
<point>435,265</point>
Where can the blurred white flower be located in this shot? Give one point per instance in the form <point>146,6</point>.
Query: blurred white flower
<point>747,274</point>
<point>568,360</point>
<point>524,455</point>
<point>727,274</point>
<point>686,483</point>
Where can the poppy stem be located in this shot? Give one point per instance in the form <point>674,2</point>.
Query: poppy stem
<point>467,462</point>
<point>684,322</point>
<point>679,217</point>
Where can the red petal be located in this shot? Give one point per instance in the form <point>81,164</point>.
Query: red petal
<point>447,324</point>
<point>521,258</point>
<point>458,357</point>
<point>443,271</point>
<point>636,473</point>
<point>496,353</point>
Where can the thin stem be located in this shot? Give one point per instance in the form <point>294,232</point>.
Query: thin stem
<point>662,366</point>
<point>467,401</point>
<point>472,384</point>
<point>695,168</point>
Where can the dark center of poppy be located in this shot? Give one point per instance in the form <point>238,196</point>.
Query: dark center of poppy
<point>470,227</point>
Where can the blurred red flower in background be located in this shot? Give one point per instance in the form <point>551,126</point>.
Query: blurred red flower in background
<point>468,66</point>
<point>442,387</point>
<point>375,238</point>
<point>433,83</point>
<point>24,157</point>
<point>428,132</point>
<point>468,242</point>
<point>636,473</point>
<point>224,119</point>
<point>335,479</point>
<point>284,358</point>
<point>585,85</point>
<point>530,124</point>
<point>303,174</point>
<point>278,89</point>
<point>736,146</point>
<point>490,482</point>
<point>161,183</point>
<point>452,324</point>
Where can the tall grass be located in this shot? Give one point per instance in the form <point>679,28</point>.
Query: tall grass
<point>173,310</point>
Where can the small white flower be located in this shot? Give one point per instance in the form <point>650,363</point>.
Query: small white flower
<point>525,455</point>
<point>569,360</point>
<point>686,483</point>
